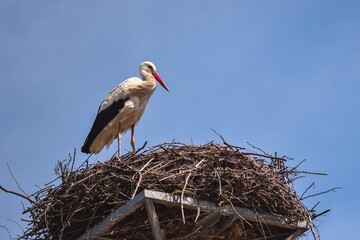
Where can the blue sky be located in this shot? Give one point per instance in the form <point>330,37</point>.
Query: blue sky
<point>282,75</point>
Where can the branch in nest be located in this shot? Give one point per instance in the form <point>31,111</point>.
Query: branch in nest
<point>7,231</point>
<point>320,214</point>
<point>17,194</point>
<point>13,177</point>
<point>316,194</point>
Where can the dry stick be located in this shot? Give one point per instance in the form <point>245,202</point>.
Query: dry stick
<point>312,228</point>
<point>322,213</point>
<point>237,213</point>
<point>17,194</point>
<point>198,207</point>
<point>198,211</point>
<point>6,230</point>
<point>261,226</point>
<point>223,139</point>
<point>294,168</point>
<point>113,156</point>
<point>311,185</point>
<point>17,183</point>
<point>316,194</point>
<point>312,209</point>
<point>220,191</point>
<point>45,216</point>
<point>229,201</point>
<point>175,174</point>
<point>16,224</point>
<point>312,173</point>
<point>139,149</point>
<point>259,149</point>
<point>147,164</point>
<point>140,177</point>
<point>47,184</point>
<point>182,197</point>
<point>263,155</point>
<point>73,161</point>
<point>131,154</point>
<point>86,161</point>
<point>137,185</point>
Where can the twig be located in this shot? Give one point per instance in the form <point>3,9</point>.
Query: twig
<point>86,161</point>
<point>7,231</point>
<point>299,164</point>
<point>259,149</point>
<point>312,173</point>
<point>264,156</point>
<point>182,197</point>
<point>320,214</point>
<point>16,224</point>
<point>17,183</point>
<point>330,190</point>
<point>73,161</point>
<point>140,177</point>
<point>137,185</point>
<point>17,194</point>
<point>311,185</point>
<point>313,208</point>
<point>143,146</point>
<point>222,138</point>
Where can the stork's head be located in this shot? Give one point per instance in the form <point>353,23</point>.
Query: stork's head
<point>147,68</point>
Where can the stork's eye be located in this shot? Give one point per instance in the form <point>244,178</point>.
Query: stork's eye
<point>151,68</point>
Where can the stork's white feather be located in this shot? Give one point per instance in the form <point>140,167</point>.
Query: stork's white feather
<point>119,92</point>
<point>129,99</point>
<point>128,116</point>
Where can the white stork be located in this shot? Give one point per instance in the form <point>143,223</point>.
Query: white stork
<point>122,109</point>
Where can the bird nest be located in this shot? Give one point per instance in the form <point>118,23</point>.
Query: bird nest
<point>220,173</point>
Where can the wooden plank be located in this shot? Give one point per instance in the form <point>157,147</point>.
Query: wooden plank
<point>296,234</point>
<point>247,214</point>
<point>227,223</point>
<point>153,218</point>
<point>148,198</point>
<point>119,214</point>
<point>207,222</point>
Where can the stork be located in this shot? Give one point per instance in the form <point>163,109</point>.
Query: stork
<point>122,110</point>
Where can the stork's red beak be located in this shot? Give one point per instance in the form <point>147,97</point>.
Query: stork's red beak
<point>158,78</point>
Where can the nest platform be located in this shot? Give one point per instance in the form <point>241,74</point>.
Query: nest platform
<point>173,191</point>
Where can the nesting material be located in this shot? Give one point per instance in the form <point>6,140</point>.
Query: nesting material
<point>221,173</point>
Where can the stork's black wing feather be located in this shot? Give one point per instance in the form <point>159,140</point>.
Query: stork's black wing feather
<point>102,119</point>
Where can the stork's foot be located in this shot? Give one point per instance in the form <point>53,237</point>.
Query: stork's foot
<point>115,156</point>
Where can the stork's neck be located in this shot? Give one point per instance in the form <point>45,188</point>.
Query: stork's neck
<point>145,74</point>
<point>149,83</point>
<point>143,88</point>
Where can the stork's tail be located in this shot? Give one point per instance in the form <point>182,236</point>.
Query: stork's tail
<point>86,147</point>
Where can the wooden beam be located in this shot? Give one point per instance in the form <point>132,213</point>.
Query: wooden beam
<point>227,223</point>
<point>119,214</point>
<point>296,234</point>
<point>207,222</point>
<point>227,210</point>
<point>153,218</point>
<point>148,198</point>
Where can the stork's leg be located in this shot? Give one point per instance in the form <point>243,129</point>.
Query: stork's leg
<point>133,138</point>
<point>119,141</point>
